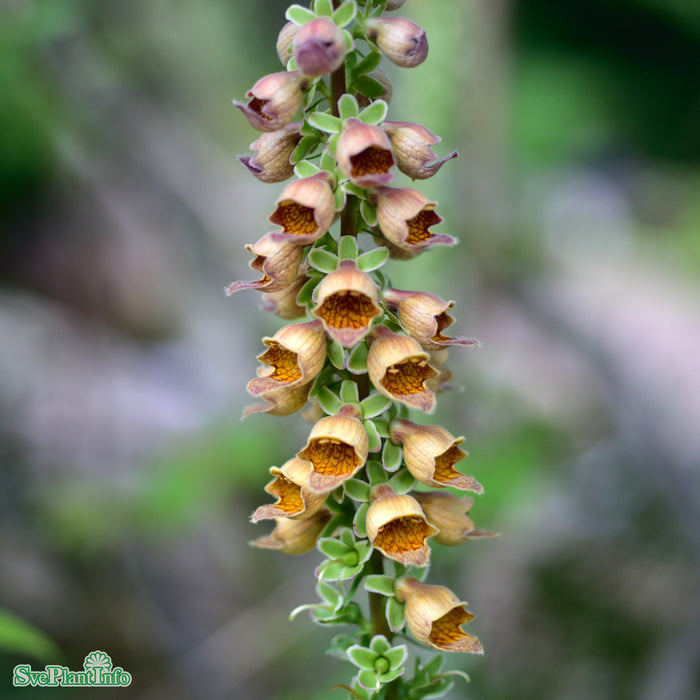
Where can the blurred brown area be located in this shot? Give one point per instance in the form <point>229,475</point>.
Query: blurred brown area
<point>126,478</point>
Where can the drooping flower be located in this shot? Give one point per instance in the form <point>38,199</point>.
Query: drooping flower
<point>273,150</point>
<point>405,217</point>
<point>347,302</point>
<point>274,100</point>
<point>281,402</point>
<point>435,616</point>
<point>294,499</point>
<point>283,303</point>
<point>364,154</point>
<point>448,513</point>
<point>438,359</point>
<point>292,536</point>
<point>277,261</point>
<point>430,453</point>
<point>305,210</point>
<point>294,356</point>
<point>397,527</point>
<point>337,449</point>
<point>424,317</point>
<point>319,47</point>
<point>403,42</point>
<point>399,369</point>
<point>411,144</point>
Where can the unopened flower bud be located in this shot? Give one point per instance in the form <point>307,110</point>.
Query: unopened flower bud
<point>364,154</point>
<point>305,210</point>
<point>295,536</point>
<point>281,402</point>
<point>319,47</point>
<point>398,368</point>
<point>295,356</point>
<point>278,263</point>
<point>397,527</point>
<point>285,42</point>
<point>424,316</point>
<point>274,100</point>
<point>283,303</point>
<point>405,217</point>
<point>411,144</point>
<point>430,453</point>
<point>393,4</point>
<point>403,42</point>
<point>273,150</point>
<point>337,449</point>
<point>435,616</point>
<point>448,513</point>
<point>294,499</point>
<point>347,302</point>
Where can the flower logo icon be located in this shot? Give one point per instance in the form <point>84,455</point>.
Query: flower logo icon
<point>97,660</point>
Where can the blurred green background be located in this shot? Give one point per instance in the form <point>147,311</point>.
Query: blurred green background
<point>126,478</point>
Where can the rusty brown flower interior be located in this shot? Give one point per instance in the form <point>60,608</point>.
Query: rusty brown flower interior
<point>294,218</point>
<point>373,160</point>
<point>405,534</point>
<point>418,226</point>
<point>288,493</point>
<point>331,457</point>
<point>348,309</point>
<point>407,377</point>
<point>256,105</point>
<point>284,362</point>
<point>443,320</point>
<point>444,463</point>
<point>446,629</point>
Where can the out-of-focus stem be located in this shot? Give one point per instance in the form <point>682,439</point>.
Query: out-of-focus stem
<point>377,616</point>
<point>338,86</point>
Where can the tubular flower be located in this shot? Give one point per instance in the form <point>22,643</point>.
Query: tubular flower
<point>411,145</point>
<point>281,402</point>
<point>430,453</point>
<point>337,449</point>
<point>405,217</point>
<point>448,513</point>
<point>364,154</point>
<point>274,100</point>
<point>397,527</point>
<point>403,42</point>
<point>305,210</point>
<point>285,42</point>
<point>295,536</point>
<point>273,150</point>
<point>294,499</point>
<point>278,262</point>
<point>294,357</point>
<point>435,616</point>
<point>424,316</point>
<point>283,303</point>
<point>399,369</point>
<point>319,47</point>
<point>347,302</point>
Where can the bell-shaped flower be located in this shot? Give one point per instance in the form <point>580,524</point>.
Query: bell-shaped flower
<point>292,536</point>
<point>347,301</point>
<point>397,527</point>
<point>283,303</point>
<point>272,152</point>
<point>399,369</point>
<point>294,498</point>
<point>424,317</point>
<point>405,217</point>
<point>448,513</point>
<point>305,210</point>
<point>274,100</point>
<point>430,453</point>
<point>281,402</point>
<point>285,42</point>
<point>435,616</point>
<point>411,144</point>
<point>337,449</point>
<point>294,356</point>
<point>319,47</point>
<point>278,263</point>
<point>403,42</point>
<point>364,154</point>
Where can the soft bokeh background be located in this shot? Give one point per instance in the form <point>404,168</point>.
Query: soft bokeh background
<point>126,478</point>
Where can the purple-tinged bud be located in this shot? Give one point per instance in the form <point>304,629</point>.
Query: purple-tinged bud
<point>319,47</point>
<point>274,100</point>
<point>285,42</point>
<point>411,145</point>
<point>364,154</point>
<point>273,150</point>
<point>403,42</point>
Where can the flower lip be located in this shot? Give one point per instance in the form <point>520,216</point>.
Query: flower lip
<point>364,154</point>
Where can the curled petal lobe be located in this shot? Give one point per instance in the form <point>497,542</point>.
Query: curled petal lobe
<point>281,402</point>
<point>364,154</point>
<point>274,100</point>
<point>295,536</point>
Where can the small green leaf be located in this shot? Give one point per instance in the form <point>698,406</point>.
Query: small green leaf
<point>322,260</point>
<point>375,441</point>
<point>368,86</point>
<point>374,404</point>
<point>374,113</point>
<point>358,523</point>
<point>332,144</point>
<point>349,44</point>
<point>304,168</point>
<point>357,490</point>
<point>432,668</point>
<point>362,657</point>
<point>306,293</point>
<point>375,473</point>
<point>327,161</point>
<point>330,571</point>
<point>369,63</point>
<point>344,14</point>
<point>323,8</point>
<point>379,644</point>
<point>19,637</point>
<point>348,107</point>
<point>303,147</point>
<point>299,15</point>
<point>395,615</point>
<point>348,392</point>
<point>332,548</point>
<point>354,190</point>
<point>368,679</point>
<point>324,122</point>
<point>339,199</point>
<point>373,260</point>
<point>384,585</point>
<point>391,456</point>
<point>301,608</point>
<point>458,673</point>
<point>346,538</point>
<point>382,427</point>
<point>329,594</point>
<point>336,354</point>
<point>347,250</point>
<point>369,213</point>
<point>396,656</point>
<point>357,362</point>
<point>402,482</point>
<point>330,403</point>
